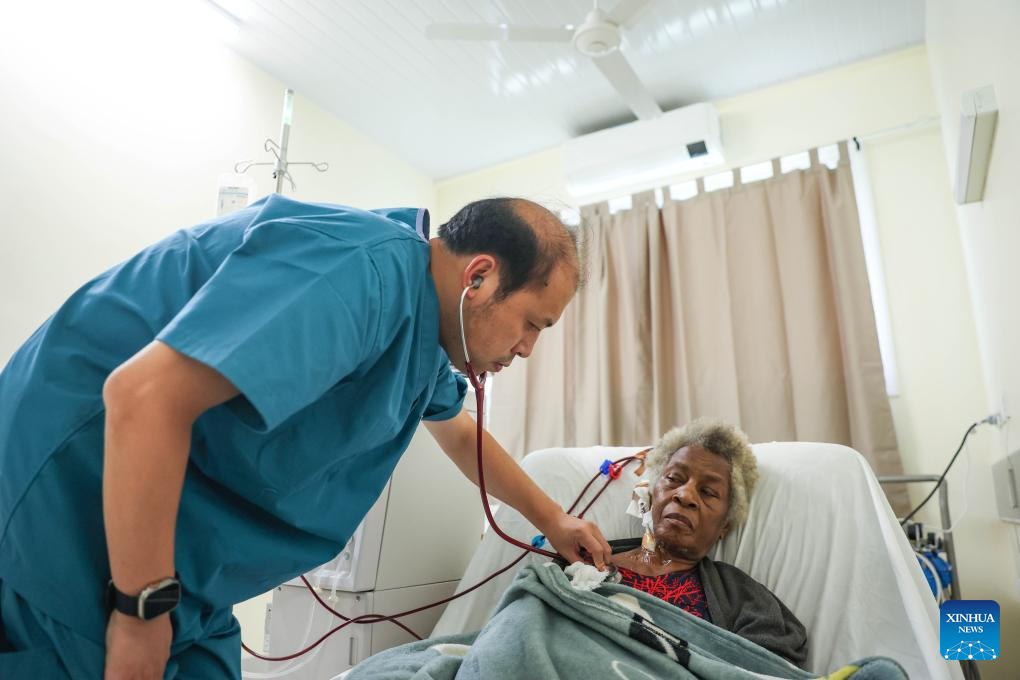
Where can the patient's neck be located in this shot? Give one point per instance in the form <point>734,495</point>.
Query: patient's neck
<point>653,563</point>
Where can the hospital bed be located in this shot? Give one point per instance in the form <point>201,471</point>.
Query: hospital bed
<point>820,535</point>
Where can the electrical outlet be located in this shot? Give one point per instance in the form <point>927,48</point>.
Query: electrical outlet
<point>995,419</point>
<point>1001,417</point>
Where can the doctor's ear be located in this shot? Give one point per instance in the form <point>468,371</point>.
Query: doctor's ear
<point>480,267</point>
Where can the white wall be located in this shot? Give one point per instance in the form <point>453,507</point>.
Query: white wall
<point>942,386</point>
<point>929,302</point>
<point>116,118</point>
<point>115,121</point>
<point>854,100</point>
<point>971,45</point>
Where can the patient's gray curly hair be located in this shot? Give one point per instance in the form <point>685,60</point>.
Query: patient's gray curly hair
<point>721,439</point>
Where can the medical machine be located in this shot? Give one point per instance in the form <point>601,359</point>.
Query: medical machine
<point>945,545</point>
<point>410,550</point>
<point>1006,477</point>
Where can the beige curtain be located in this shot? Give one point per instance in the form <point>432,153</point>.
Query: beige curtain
<point>749,304</point>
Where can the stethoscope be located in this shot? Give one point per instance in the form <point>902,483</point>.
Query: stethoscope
<point>478,383</point>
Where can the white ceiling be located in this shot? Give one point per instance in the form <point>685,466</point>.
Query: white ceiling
<point>453,107</point>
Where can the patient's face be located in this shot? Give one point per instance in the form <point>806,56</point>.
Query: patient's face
<point>690,502</point>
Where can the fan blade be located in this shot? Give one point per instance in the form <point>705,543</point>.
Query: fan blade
<point>618,72</point>
<point>626,11</point>
<point>540,33</point>
<point>500,32</point>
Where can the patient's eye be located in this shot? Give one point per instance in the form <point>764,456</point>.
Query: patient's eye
<point>709,492</point>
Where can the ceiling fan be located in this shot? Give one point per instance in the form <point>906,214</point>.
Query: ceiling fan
<point>597,37</point>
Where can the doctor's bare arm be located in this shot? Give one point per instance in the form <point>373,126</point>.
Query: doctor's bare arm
<point>152,400</point>
<point>505,480</point>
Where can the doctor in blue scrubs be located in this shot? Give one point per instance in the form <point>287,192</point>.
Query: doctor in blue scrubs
<point>215,416</point>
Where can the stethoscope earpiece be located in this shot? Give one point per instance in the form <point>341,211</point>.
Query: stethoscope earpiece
<point>463,336</point>
<point>476,283</point>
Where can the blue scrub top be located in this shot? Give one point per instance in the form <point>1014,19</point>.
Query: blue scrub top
<point>326,319</point>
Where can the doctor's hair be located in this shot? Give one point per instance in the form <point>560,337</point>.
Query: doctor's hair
<point>527,240</point>
<point>722,439</point>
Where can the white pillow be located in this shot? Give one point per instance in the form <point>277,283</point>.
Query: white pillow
<point>820,535</point>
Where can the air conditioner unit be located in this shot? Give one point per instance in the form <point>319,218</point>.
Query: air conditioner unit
<point>645,152</point>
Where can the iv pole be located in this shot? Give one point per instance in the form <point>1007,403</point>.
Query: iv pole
<point>281,168</point>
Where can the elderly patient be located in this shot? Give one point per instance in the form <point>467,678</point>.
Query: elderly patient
<point>701,478</point>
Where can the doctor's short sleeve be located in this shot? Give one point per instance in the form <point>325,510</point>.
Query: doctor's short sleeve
<point>448,398</point>
<point>287,315</point>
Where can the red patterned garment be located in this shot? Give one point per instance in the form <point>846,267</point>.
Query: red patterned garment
<point>680,588</point>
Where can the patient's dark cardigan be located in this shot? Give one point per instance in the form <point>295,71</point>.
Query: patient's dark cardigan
<point>743,606</point>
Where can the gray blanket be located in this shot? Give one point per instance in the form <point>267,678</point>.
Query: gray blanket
<point>545,629</point>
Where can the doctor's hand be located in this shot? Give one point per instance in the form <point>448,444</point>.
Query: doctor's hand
<point>569,535</point>
<point>136,649</point>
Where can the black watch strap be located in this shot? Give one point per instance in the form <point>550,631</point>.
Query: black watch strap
<point>155,599</point>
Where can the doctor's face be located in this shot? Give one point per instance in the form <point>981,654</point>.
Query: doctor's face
<point>500,331</point>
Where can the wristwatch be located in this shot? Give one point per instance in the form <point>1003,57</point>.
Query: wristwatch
<point>155,599</point>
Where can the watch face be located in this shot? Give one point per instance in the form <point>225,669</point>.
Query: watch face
<point>162,600</point>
